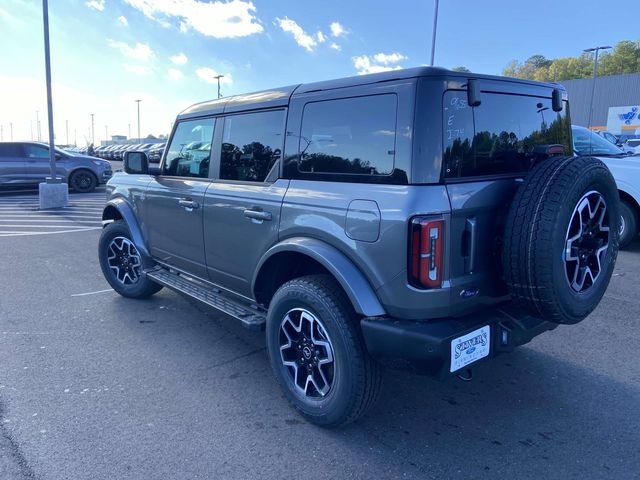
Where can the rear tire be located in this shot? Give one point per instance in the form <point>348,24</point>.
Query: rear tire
<point>343,381</point>
<point>561,238</point>
<point>628,224</point>
<point>122,264</point>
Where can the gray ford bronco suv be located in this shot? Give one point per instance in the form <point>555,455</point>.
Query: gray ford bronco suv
<point>419,218</point>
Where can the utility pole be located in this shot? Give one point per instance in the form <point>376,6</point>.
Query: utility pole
<point>218,77</point>
<point>138,102</point>
<point>92,131</point>
<point>67,128</point>
<point>595,75</point>
<point>435,29</point>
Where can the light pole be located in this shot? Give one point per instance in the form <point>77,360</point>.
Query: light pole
<point>595,75</point>
<point>53,193</point>
<point>106,134</point>
<point>11,130</point>
<point>218,77</point>
<point>138,102</point>
<point>1,133</point>
<point>67,128</point>
<point>38,117</point>
<point>435,28</point>
<point>31,127</point>
<point>92,136</point>
<point>129,136</point>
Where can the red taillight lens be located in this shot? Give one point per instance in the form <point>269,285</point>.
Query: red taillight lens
<point>426,252</point>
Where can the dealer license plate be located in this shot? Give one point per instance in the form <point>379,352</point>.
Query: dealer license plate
<point>470,348</point>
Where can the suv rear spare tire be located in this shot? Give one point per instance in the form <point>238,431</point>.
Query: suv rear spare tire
<point>561,238</point>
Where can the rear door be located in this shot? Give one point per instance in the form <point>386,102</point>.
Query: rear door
<point>174,200</point>
<point>488,149</point>
<point>242,205</point>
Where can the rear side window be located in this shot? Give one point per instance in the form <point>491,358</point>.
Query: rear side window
<point>504,135</point>
<point>251,145</point>
<point>349,136</point>
<point>190,149</point>
<point>10,150</point>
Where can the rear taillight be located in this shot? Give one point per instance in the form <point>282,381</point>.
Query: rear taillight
<point>426,252</point>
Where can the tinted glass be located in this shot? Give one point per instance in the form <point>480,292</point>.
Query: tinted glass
<point>349,136</point>
<point>251,145</point>
<point>35,151</point>
<point>10,150</point>
<point>190,149</point>
<point>586,142</point>
<point>506,134</point>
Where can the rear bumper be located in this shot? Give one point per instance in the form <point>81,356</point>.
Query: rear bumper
<point>425,347</point>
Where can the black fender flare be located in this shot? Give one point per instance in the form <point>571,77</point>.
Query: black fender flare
<point>354,283</point>
<point>126,212</point>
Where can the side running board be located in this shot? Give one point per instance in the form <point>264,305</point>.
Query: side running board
<point>252,318</point>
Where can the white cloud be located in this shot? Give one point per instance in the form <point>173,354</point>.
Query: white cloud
<point>301,37</point>
<point>337,30</point>
<point>217,19</point>
<point>137,69</point>
<point>321,37</point>
<point>335,46</point>
<point>96,4</point>
<point>389,58</point>
<point>141,51</point>
<point>380,62</point>
<point>207,74</point>
<point>123,20</point>
<point>175,74</point>
<point>179,59</point>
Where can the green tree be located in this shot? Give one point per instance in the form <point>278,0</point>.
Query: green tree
<point>461,69</point>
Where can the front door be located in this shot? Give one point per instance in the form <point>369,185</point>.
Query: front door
<point>12,167</point>
<point>242,205</point>
<point>174,200</point>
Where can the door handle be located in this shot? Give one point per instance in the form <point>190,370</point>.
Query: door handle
<point>255,214</point>
<point>188,203</point>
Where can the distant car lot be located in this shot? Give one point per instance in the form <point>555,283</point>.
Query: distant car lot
<point>105,387</point>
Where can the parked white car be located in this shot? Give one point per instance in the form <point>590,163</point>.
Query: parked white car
<point>626,147</point>
<point>626,171</point>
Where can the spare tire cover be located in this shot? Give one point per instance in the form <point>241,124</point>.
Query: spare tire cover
<point>561,238</point>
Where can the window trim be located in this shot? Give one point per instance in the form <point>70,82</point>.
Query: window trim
<point>347,177</point>
<point>223,118</point>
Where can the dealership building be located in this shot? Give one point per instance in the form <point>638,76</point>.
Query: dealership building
<point>616,103</point>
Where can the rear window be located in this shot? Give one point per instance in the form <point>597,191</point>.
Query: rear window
<point>10,150</point>
<point>502,136</point>
<point>349,136</point>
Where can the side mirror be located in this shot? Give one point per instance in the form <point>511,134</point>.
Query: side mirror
<point>556,100</point>
<point>136,163</point>
<point>473,93</point>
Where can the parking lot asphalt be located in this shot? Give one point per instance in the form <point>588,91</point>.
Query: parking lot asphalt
<point>96,386</point>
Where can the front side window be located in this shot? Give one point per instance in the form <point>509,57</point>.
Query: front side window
<point>251,145</point>
<point>190,149</point>
<point>35,151</point>
<point>349,136</point>
<point>505,134</point>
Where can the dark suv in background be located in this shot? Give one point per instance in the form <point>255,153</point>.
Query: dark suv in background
<point>422,217</point>
<point>27,163</point>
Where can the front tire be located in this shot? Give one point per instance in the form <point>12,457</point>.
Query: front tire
<point>83,181</point>
<point>122,264</point>
<point>628,224</point>
<point>317,352</point>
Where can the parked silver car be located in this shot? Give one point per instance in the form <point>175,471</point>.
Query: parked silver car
<point>27,163</point>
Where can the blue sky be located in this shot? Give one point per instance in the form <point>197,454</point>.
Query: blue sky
<point>107,53</point>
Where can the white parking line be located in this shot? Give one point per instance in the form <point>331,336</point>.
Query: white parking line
<point>17,234</point>
<point>92,293</point>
